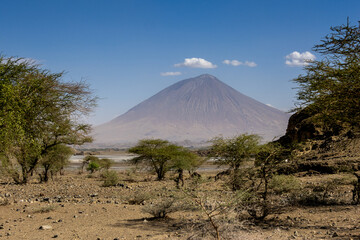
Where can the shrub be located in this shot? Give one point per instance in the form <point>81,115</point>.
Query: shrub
<point>139,197</point>
<point>105,163</point>
<point>284,184</point>
<point>44,209</point>
<point>322,194</point>
<point>161,208</point>
<point>110,178</point>
<point>4,201</point>
<point>93,167</point>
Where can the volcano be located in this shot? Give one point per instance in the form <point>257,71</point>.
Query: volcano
<point>193,110</point>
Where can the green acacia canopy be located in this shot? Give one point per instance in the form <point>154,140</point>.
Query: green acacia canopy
<point>161,156</point>
<point>38,111</point>
<point>234,151</point>
<point>330,88</point>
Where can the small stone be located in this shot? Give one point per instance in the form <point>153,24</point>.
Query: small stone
<point>335,234</point>
<point>55,236</point>
<point>45,227</point>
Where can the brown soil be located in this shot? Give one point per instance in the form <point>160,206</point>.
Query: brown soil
<point>78,207</point>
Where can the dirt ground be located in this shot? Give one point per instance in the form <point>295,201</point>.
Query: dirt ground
<point>76,206</point>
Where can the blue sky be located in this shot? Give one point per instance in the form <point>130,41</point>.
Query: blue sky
<point>122,48</point>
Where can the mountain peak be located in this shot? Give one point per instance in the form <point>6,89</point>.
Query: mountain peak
<point>195,109</point>
<point>206,75</point>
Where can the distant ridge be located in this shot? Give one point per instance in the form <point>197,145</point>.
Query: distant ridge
<point>191,111</point>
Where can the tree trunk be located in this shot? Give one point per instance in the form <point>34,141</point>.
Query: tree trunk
<point>180,178</point>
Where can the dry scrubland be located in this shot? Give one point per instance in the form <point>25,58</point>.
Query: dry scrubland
<point>77,206</point>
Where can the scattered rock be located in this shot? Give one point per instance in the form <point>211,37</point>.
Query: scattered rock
<point>45,227</point>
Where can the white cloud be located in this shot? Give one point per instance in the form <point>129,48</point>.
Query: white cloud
<point>238,63</point>
<point>164,74</point>
<point>250,64</point>
<point>196,63</point>
<point>296,59</point>
<point>232,62</point>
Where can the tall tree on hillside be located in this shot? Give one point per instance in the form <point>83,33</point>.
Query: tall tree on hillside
<point>330,89</point>
<point>38,111</point>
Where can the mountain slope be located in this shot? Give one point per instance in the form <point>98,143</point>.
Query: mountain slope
<point>195,109</point>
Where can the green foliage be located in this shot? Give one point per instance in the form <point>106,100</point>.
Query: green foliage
<point>284,184</point>
<point>93,166</point>
<point>184,159</point>
<point>234,151</point>
<point>38,111</point>
<point>162,156</point>
<point>55,160</point>
<point>94,163</point>
<point>330,89</point>
<point>110,178</point>
<point>105,163</point>
<point>254,188</point>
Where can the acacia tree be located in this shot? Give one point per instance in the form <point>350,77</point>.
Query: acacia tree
<point>183,159</point>
<point>234,152</point>
<point>330,89</point>
<point>55,160</point>
<point>38,111</point>
<point>162,156</point>
<point>266,161</point>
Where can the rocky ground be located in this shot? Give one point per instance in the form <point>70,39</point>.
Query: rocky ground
<point>76,206</point>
